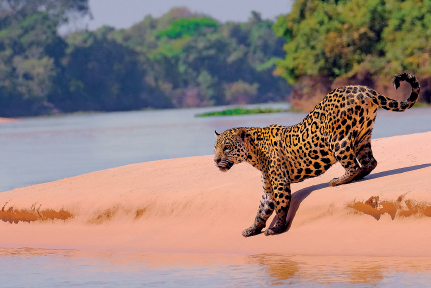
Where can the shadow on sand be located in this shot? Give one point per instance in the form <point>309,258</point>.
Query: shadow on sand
<point>300,195</point>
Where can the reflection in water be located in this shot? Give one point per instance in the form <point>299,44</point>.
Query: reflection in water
<point>279,268</point>
<point>327,270</point>
<point>324,269</point>
<point>68,268</point>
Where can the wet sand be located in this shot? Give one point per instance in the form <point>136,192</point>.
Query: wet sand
<point>187,205</point>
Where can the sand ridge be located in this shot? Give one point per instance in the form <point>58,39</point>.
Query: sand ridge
<point>186,205</point>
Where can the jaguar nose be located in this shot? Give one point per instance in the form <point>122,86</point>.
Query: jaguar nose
<point>217,160</point>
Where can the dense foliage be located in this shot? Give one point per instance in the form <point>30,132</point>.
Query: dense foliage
<point>188,26</point>
<point>31,51</point>
<point>335,42</point>
<point>178,60</point>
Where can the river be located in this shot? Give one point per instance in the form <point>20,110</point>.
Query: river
<point>43,149</point>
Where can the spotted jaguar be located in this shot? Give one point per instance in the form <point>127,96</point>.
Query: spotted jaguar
<point>338,129</point>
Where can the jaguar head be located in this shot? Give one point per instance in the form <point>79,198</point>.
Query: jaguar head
<point>230,148</point>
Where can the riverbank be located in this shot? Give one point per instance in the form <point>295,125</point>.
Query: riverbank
<point>187,205</point>
<point>8,120</point>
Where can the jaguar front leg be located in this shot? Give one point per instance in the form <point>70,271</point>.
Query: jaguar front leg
<point>266,208</point>
<point>282,198</point>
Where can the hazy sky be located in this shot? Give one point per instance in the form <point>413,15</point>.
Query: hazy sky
<point>124,13</point>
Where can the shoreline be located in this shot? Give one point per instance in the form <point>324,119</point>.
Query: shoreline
<point>252,106</point>
<point>186,205</point>
<point>8,120</point>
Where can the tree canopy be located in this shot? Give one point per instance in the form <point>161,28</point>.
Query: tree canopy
<point>180,59</point>
<point>188,26</point>
<point>342,41</point>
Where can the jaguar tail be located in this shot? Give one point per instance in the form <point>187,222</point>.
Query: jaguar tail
<point>394,105</point>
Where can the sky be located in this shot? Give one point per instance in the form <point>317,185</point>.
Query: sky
<point>125,13</point>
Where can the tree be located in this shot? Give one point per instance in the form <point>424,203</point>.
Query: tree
<point>181,59</point>
<point>240,92</point>
<point>332,43</point>
<point>101,74</point>
<point>188,27</point>
<point>31,51</point>
<point>329,38</point>
<point>59,10</point>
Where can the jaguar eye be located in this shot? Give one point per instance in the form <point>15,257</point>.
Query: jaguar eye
<point>226,148</point>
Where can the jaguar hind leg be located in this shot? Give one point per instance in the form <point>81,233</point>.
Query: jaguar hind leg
<point>365,157</point>
<point>345,154</point>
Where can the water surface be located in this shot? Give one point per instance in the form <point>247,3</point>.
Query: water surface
<point>38,150</point>
<point>69,268</point>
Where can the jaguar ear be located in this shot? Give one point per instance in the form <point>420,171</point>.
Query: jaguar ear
<point>216,134</point>
<point>242,133</point>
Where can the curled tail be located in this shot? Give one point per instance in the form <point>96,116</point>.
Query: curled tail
<point>394,105</point>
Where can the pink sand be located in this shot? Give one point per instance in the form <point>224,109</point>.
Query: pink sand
<point>7,120</point>
<point>188,205</point>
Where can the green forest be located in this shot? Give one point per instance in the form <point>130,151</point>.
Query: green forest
<point>334,43</point>
<point>183,59</point>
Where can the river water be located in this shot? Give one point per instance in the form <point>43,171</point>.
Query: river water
<point>68,268</point>
<point>37,150</point>
<point>44,149</point>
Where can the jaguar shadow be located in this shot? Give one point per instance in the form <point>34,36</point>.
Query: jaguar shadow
<point>300,195</point>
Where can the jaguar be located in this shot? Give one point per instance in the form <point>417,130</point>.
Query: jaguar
<point>338,129</point>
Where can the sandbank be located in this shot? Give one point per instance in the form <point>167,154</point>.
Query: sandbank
<point>8,120</point>
<point>187,205</point>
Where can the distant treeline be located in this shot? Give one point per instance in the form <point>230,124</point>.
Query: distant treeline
<point>330,43</point>
<point>178,60</point>
<point>184,59</point>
